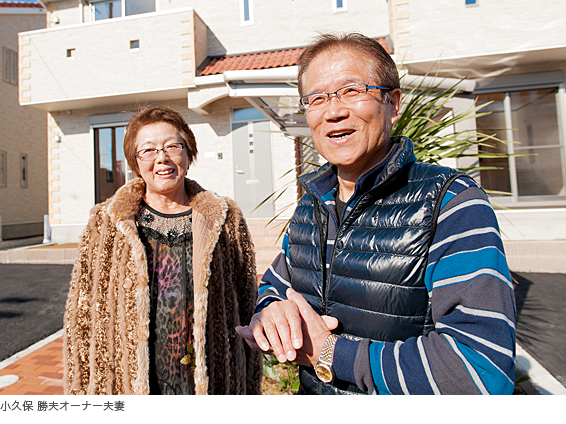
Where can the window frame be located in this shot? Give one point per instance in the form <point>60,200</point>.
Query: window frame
<point>122,9</point>
<point>93,12</point>
<point>337,9</point>
<point>9,66</point>
<point>515,200</point>
<point>112,121</point>
<point>250,7</point>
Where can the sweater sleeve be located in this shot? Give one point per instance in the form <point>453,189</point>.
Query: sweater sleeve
<point>472,348</point>
<point>276,280</point>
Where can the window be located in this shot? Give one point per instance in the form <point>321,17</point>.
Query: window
<point>108,9</point>
<point>111,168</point>
<point>246,12</point>
<point>70,53</point>
<point>9,66</point>
<point>471,3</point>
<point>339,6</point>
<point>23,171</point>
<point>2,169</point>
<point>135,7</point>
<point>530,119</point>
<point>134,44</point>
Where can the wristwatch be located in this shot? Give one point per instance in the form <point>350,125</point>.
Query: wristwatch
<point>324,369</point>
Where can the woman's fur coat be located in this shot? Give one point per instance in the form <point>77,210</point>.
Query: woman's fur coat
<point>105,349</point>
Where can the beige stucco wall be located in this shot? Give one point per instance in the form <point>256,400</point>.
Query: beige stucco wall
<point>22,132</point>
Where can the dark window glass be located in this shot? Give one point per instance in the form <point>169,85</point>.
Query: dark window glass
<point>107,10</point>
<point>111,166</point>
<point>246,10</point>
<point>135,7</point>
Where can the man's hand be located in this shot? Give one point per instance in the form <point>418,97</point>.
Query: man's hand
<point>289,329</point>
<point>315,330</point>
<point>275,330</point>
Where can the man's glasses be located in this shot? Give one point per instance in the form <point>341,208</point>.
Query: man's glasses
<point>349,94</point>
<point>170,150</point>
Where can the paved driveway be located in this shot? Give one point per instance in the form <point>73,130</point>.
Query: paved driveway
<point>32,303</point>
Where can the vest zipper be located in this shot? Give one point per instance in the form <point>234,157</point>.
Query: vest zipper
<point>327,274</point>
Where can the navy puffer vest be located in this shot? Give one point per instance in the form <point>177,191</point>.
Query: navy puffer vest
<point>375,284</point>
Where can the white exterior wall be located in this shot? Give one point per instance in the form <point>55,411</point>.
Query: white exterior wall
<point>213,136</point>
<point>71,167</point>
<point>448,28</point>
<point>108,67</point>
<point>67,12</point>
<point>280,24</point>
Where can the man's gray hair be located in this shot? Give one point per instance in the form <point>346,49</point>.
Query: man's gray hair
<point>383,68</point>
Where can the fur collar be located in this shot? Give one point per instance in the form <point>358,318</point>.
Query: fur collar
<point>125,204</point>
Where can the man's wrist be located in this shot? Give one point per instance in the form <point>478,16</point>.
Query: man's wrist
<point>324,368</point>
<point>344,358</point>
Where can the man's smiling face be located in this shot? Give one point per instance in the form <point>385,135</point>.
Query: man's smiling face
<point>353,137</point>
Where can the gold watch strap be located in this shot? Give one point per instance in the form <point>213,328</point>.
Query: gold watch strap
<point>328,349</point>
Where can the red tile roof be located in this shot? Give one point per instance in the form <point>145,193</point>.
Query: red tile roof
<point>265,60</point>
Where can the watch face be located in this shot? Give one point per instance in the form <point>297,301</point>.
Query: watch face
<point>324,372</point>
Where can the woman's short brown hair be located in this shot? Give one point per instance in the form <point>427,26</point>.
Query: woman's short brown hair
<point>382,67</point>
<point>150,115</point>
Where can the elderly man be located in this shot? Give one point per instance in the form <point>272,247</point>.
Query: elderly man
<point>392,278</point>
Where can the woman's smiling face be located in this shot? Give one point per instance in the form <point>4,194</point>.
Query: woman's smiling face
<point>164,175</point>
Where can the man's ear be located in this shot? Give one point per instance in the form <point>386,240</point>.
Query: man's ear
<point>394,104</point>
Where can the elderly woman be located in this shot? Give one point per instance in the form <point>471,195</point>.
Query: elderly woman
<point>164,274</point>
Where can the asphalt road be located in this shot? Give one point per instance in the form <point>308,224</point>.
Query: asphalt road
<point>32,303</point>
<point>541,314</point>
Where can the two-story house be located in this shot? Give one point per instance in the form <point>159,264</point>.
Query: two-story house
<point>515,51</point>
<point>23,147</point>
<point>230,68</point>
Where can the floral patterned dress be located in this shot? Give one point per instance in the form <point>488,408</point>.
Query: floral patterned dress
<point>168,243</point>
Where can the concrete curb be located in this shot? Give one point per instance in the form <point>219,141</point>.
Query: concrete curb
<point>539,378</point>
<point>25,255</point>
<point>15,357</point>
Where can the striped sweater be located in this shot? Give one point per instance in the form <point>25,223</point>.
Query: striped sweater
<point>472,350</point>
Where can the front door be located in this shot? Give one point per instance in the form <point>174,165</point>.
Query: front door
<point>253,181</point>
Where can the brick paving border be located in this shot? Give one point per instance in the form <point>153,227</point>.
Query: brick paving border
<point>40,372</point>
